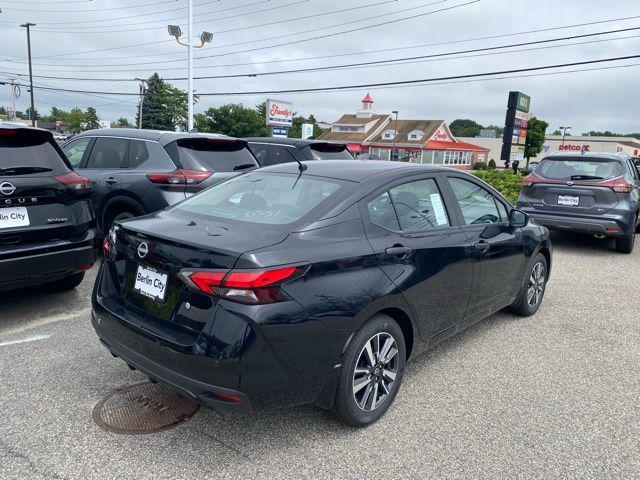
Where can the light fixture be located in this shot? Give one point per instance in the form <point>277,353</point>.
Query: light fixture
<point>175,30</point>
<point>206,37</point>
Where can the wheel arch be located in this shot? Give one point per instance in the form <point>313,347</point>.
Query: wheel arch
<point>122,202</point>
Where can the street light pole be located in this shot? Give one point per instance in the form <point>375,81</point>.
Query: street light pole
<point>564,133</point>
<point>395,133</point>
<point>190,48</point>
<point>32,113</point>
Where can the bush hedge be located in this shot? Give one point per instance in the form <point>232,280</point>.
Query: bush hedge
<point>505,181</point>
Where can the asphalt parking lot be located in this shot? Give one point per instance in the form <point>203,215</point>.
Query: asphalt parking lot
<point>551,396</point>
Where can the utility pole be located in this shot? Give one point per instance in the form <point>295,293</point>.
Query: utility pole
<point>143,84</point>
<point>395,134</point>
<point>32,113</point>
<point>190,47</point>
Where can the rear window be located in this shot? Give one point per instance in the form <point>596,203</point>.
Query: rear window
<point>30,152</point>
<point>329,151</point>
<point>259,197</point>
<point>578,169</point>
<point>211,154</point>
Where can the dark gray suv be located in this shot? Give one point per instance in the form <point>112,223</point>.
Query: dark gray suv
<point>593,193</point>
<point>135,172</point>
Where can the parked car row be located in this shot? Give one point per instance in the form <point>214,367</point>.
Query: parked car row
<point>285,280</point>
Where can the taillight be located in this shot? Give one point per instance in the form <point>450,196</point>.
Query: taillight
<point>7,132</point>
<point>106,247</point>
<point>531,179</point>
<point>75,181</point>
<point>180,177</point>
<point>109,243</point>
<point>619,185</point>
<point>243,286</point>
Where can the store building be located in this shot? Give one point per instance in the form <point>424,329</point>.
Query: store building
<point>418,141</point>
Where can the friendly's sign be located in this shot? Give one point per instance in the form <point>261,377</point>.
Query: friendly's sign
<point>279,113</point>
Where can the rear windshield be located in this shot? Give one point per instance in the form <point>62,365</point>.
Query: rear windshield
<point>268,198</point>
<point>211,154</point>
<point>328,151</point>
<point>569,169</point>
<point>30,152</point>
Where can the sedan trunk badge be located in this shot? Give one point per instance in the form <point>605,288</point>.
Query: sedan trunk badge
<point>7,188</point>
<point>143,249</point>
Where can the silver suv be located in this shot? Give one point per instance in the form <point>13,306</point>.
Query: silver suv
<point>593,193</point>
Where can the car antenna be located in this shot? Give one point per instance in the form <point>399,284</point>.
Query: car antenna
<point>301,166</point>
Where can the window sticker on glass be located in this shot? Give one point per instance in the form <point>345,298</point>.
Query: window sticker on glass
<point>438,209</point>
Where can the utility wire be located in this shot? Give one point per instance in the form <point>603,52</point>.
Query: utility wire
<point>89,10</point>
<point>388,62</point>
<point>367,85</point>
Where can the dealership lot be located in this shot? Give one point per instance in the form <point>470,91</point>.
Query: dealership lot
<point>554,395</point>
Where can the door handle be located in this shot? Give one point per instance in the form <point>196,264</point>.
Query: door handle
<point>482,246</point>
<point>111,181</point>
<point>398,251</point>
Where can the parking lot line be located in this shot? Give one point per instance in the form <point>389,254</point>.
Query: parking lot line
<point>34,338</point>
<point>45,321</point>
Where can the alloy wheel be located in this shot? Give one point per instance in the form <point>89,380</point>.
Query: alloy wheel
<point>375,371</point>
<point>536,286</point>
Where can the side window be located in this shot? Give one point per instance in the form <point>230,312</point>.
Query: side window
<point>381,212</point>
<point>504,216</point>
<point>280,154</point>
<point>138,153</point>
<point>477,204</point>
<point>419,206</point>
<point>75,150</point>
<point>108,153</point>
<point>261,151</point>
<point>633,169</point>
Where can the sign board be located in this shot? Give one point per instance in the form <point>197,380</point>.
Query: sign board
<point>307,130</point>
<point>516,124</point>
<point>441,135</point>
<point>279,132</point>
<point>279,113</point>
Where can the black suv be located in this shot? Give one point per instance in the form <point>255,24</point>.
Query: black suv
<point>272,151</point>
<point>135,172</point>
<point>594,193</point>
<point>47,234</point>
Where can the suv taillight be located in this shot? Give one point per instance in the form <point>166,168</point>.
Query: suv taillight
<point>619,185</point>
<point>244,286</point>
<point>75,182</point>
<point>180,177</point>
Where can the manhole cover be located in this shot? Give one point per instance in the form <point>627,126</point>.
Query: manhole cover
<point>142,408</point>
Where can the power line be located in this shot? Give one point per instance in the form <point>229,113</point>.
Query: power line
<point>392,62</point>
<point>89,10</point>
<point>371,85</point>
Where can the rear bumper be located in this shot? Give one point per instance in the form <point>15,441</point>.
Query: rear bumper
<point>38,264</point>
<point>607,226</point>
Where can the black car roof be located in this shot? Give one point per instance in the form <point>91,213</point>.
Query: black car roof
<point>355,171</point>
<point>20,126</point>
<point>296,142</point>
<point>164,137</point>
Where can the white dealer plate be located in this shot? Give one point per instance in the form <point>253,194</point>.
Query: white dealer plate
<point>14,217</point>
<point>151,283</point>
<point>568,200</point>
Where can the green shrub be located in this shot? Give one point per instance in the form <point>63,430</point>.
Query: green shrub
<point>492,164</point>
<point>505,181</point>
<point>480,166</point>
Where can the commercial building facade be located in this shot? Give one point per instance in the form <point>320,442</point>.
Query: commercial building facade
<point>417,141</point>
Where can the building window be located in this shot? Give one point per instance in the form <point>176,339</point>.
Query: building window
<point>389,134</point>
<point>457,158</point>
<point>347,128</point>
<point>415,135</point>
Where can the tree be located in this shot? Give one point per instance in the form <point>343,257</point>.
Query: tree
<point>465,128</point>
<point>536,130</point>
<point>557,132</point>
<point>233,119</point>
<point>57,115</point>
<point>3,113</point>
<point>76,120</point>
<point>123,122</point>
<point>36,115</point>
<point>91,119</point>
<point>499,130</point>
<point>164,106</point>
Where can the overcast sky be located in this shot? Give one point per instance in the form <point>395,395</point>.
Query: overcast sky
<point>69,32</point>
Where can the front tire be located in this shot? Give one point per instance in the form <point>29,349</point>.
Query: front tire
<point>533,289</point>
<point>372,371</point>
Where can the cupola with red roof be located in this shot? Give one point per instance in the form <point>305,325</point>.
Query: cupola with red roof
<point>367,107</point>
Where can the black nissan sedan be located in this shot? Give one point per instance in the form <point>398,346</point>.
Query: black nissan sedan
<point>313,282</point>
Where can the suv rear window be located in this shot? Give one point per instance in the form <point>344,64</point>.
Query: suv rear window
<point>259,197</point>
<point>578,169</point>
<point>30,152</point>
<point>211,154</point>
<point>329,151</point>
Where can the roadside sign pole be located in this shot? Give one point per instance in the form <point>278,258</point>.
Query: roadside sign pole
<point>32,113</point>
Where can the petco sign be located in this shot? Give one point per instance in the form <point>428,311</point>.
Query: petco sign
<point>574,148</point>
<point>279,113</point>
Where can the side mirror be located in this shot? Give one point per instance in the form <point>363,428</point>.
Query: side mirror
<point>518,219</point>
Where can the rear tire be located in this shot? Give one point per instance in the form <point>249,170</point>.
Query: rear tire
<point>117,217</point>
<point>371,374</point>
<point>533,289</point>
<point>625,244</point>
<point>67,283</point>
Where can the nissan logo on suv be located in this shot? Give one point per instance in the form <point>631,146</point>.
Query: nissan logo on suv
<point>7,188</point>
<point>143,249</point>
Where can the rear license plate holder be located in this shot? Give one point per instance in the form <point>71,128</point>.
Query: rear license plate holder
<point>151,283</point>
<point>568,200</point>
<point>12,217</point>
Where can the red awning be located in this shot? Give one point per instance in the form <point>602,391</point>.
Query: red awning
<point>354,147</point>
<point>435,145</point>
